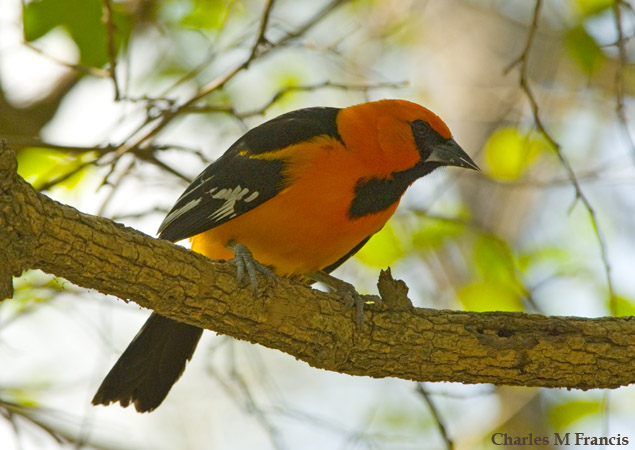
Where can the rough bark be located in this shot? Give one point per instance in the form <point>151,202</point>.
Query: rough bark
<point>397,340</point>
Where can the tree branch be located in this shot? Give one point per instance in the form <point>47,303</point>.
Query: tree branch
<point>397,340</point>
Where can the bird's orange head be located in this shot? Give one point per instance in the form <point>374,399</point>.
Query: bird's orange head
<point>397,135</point>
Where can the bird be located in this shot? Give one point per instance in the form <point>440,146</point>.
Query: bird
<point>297,195</point>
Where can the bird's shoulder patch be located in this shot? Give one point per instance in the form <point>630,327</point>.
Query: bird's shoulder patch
<point>243,177</point>
<point>291,128</point>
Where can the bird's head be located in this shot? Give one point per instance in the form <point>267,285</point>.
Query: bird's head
<point>409,136</point>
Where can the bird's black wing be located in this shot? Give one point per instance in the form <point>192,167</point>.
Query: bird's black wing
<point>239,180</point>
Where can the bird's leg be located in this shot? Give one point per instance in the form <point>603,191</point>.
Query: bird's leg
<point>347,292</point>
<point>246,263</point>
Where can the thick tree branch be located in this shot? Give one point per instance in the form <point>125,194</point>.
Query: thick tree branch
<point>397,340</point>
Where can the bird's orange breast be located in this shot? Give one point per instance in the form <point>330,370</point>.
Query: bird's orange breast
<point>306,226</point>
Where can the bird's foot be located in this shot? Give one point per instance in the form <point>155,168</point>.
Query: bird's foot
<point>246,264</point>
<point>347,292</point>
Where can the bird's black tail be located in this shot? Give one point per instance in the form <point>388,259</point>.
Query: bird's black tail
<point>152,363</point>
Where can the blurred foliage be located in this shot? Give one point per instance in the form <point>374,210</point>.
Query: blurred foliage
<point>43,166</point>
<point>498,287</point>
<point>82,20</point>
<point>563,415</point>
<point>623,306</point>
<point>488,296</point>
<point>24,397</point>
<point>205,14</point>
<point>591,7</point>
<point>432,232</point>
<point>583,49</point>
<point>510,152</point>
<point>34,286</point>
<point>383,249</point>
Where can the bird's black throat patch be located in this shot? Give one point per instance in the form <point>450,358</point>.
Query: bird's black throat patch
<point>373,195</point>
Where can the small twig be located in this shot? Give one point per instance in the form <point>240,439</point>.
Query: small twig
<point>311,23</point>
<point>12,410</point>
<point>114,184</point>
<point>148,155</point>
<point>238,389</point>
<point>110,33</point>
<point>219,82</point>
<point>94,71</point>
<point>33,141</point>
<point>522,59</point>
<point>261,41</point>
<point>620,108</point>
<point>287,89</point>
<point>435,415</point>
<point>60,179</point>
<point>579,193</point>
<point>139,214</point>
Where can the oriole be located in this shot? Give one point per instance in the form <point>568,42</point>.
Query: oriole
<point>303,192</point>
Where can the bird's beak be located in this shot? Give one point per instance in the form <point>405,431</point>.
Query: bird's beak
<point>450,154</point>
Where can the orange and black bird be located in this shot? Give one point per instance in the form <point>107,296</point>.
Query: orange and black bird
<point>302,193</point>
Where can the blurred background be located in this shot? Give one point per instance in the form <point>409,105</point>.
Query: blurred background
<point>114,105</point>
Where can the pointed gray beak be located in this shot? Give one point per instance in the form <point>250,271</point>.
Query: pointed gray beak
<point>450,154</point>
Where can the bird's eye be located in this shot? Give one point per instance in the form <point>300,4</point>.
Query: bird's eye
<point>425,137</point>
<point>422,130</point>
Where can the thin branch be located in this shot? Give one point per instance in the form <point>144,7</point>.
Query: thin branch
<point>449,443</point>
<point>94,71</point>
<point>286,90</point>
<point>243,395</point>
<point>110,34</point>
<point>62,178</point>
<point>261,42</point>
<point>32,141</point>
<point>220,81</point>
<point>522,60</point>
<point>620,108</point>
<point>311,23</point>
<point>114,185</point>
<point>146,154</point>
<point>12,410</point>
<point>254,408</point>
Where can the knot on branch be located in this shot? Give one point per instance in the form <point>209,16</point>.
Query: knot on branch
<point>394,293</point>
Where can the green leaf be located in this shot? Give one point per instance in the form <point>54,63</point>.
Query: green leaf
<point>591,7</point>
<point>508,152</point>
<point>565,414</point>
<point>383,249</point>
<point>433,233</point>
<point>485,296</point>
<point>494,261</point>
<point>499,288</point>
<point>583,49</point>
<point>40,166</point>
<point>545,256</point>
<point>623,306</point>
<point>207,14</point>
<point>82,20</point>
<point>25,397</point>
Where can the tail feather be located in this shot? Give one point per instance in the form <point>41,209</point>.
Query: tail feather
<point>152,363</point>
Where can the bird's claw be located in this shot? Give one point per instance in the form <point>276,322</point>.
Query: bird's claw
<point>246,264</point>
<point>351,297</point>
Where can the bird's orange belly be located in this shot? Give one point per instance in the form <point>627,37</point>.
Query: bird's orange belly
<point>295,233</point>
